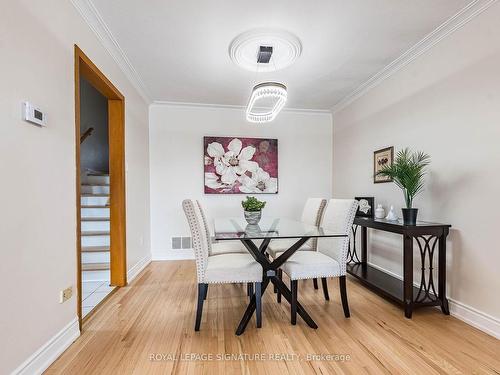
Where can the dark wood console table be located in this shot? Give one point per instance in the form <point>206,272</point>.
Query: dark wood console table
<point>403,292</point>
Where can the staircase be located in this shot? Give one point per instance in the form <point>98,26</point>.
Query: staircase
<point>95,238</point>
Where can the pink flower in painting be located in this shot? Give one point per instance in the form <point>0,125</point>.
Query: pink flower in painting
<point>233,163</point>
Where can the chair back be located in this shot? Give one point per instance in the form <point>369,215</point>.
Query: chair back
<point>338,217</point>
<point>312,215</point>
<point>199,234</point>
<point>207,228</point>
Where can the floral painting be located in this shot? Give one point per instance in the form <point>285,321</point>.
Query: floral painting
<point>240,165</point>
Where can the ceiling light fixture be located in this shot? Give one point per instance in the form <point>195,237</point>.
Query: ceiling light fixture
<point>275,49</point>
<point>273,95</point>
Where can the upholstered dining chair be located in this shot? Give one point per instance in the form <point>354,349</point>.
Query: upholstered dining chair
<point>330,258</point>
<point>312,215</point>
<point>224,247</point>
<point>221,268</point>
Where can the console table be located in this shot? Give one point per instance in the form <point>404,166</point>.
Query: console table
<point>427,236</point>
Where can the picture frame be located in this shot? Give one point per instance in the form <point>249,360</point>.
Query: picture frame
<point>240,165</point>
<point>381,158</point>
<point>366,207</point>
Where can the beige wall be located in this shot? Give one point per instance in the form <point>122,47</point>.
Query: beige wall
<point>37,169</point>
<point>446,103</point>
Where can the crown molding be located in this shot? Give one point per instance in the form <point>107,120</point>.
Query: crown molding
<point>451,25</point>
<point>235,107</point>
<point>96,23</point>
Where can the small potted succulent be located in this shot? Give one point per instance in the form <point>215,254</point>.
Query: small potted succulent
<point>253,210</point>
<point>407,171</point>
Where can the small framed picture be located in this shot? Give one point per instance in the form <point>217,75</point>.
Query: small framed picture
<point>365,208</point>
<point>382,158</point>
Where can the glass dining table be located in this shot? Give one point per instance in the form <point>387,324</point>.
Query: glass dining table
<point>267,230</point>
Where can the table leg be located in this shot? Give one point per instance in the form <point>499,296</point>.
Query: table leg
<point>408,275</point>
<point>364,244</point>
<point>287,294</point>
<point>250,310</point>
<point>442,274</point>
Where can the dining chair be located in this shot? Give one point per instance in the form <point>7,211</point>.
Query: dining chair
<point>312,215</point>
<point>330,258</point>
<point>222,268</point>
<point>224,247</point>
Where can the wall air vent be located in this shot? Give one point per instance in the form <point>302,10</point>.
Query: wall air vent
<point>179,243</point>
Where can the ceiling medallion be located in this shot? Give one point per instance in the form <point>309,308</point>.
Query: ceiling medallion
<point>286,49</point>
<point>273,95</point>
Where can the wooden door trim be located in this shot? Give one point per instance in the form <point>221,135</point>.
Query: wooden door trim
<point>85,68</point>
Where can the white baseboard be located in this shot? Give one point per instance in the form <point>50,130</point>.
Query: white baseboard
<point>172,254</point>
<point>475,318</point>
<point>138,267</point>
<point>482,321</point>
<point>39,361</point>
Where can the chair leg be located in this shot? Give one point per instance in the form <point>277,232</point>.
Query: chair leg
<point>315,283</point>
<point>258,304</point>
<point>343,296</point>
<point>202,290</point>
<point>294,285</point>
<point>206,292</point>
<point>280,276</point>
<point>249,290</point>
<point>325,288</point>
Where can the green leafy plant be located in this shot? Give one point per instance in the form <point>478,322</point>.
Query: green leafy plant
<point>407,171</point>
<point>252,204</point>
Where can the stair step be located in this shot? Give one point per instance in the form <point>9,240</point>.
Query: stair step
<point>96,218</point>
<point>95,184</point>
<point>95,266</point>
<point>95,249</point>
<point>95,179</point>
<point>95,233</point>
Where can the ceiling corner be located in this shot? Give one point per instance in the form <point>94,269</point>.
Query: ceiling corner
<point>448,27</point>
<point>96,23</point>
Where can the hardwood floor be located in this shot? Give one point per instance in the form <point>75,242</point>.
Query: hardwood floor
<point>154,316</point>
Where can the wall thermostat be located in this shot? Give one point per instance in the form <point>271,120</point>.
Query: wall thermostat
<point>33,114</point>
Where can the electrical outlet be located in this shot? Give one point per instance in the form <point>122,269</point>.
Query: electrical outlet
<point>65,294</point>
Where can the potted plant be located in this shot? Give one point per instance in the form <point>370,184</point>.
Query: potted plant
<point>253,209</point>
<point>407,171</point>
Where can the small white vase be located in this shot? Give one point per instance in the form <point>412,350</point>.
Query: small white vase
<point>391,216</point>
<point>379,212</point>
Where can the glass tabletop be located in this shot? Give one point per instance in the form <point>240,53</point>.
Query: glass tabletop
<point>238,228</point>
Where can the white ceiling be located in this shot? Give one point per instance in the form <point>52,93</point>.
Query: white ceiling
<point>179,48</point>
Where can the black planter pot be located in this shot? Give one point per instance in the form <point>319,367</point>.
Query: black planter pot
<point>410,216</point>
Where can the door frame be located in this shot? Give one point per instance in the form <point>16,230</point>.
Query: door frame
<point>85,68</point>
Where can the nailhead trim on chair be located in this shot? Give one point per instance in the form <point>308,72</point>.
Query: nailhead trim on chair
<point>319,216</point>
<point>336,274</point>
<point>201,253</point>
<point>347,230</point>
<point>207,231</point>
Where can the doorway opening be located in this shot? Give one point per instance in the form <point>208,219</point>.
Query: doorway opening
<point>100,185</point>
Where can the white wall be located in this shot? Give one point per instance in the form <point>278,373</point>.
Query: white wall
<point>176,156</point>
<point>37,168</point>
<point>446,103</point>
